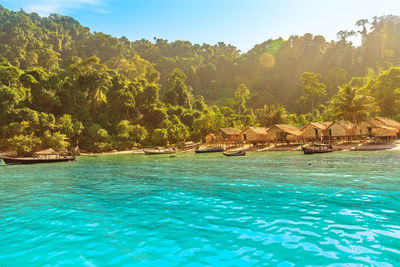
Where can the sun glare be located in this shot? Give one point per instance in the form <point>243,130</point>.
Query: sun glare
<point>267,60</point>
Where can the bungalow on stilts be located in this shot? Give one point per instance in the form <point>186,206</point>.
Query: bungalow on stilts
<point>314,131</point>
<point>374,129</point>
<point>340,131</point>
<point>255,135</point>
<point>284,134</point>
<point>229,137</point>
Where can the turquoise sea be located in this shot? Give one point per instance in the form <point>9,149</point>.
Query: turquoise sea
<point>277,208</point>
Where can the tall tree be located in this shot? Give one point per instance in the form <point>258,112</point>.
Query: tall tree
<point>179,93</point>
<point>350,103</point>
<point>363,32</point>
<point>242,95</point>
<point>312,88</point>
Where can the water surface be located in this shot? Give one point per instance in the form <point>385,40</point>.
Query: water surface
<point>266,208</point>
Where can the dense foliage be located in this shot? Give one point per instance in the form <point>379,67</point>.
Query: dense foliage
<point>62,85</point>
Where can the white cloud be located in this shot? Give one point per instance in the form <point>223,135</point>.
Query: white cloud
<point>46,7</point>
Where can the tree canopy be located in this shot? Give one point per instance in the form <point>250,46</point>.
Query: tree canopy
<point>62,85</point>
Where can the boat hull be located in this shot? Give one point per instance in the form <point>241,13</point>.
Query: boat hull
<point>308,150</point>
<point>235,154</point>
<point>158,152</point>
<point>9,160</point>
<point>210,150</point>
<point>192,146</point>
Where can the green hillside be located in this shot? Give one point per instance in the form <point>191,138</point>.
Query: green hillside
<point>62,85</point>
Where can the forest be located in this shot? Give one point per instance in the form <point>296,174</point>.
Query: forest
<point>63,86</point>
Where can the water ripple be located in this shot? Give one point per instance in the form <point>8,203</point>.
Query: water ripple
<point>203,210</point>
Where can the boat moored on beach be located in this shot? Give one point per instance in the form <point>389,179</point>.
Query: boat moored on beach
<point>210,150</point>
<point>317,148</point>
<point>159,151</point>
<point>9,160</point>
<point>189,146</point>
<point>235,153</point>
<point>44,156</point>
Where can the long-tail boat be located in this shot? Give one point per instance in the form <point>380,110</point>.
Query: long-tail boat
<point>236,153</point>
<point>317,148</point>
<point>159,151</point>
<point>190,145</point>
<point>210,150</point>
<point>9,160</point>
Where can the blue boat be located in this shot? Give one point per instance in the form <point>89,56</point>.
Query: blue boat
<point>210,150</point>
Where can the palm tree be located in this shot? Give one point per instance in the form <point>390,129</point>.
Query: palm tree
<point>351,102</point>
<point>270,115</point>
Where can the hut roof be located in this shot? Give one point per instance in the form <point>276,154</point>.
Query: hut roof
<point>374,122</point>
<point>49,151</point>
<point>380,124</point>
<point>288,128</point>
<point>320,125</point>
<point>230,131</point>
<point>257,130</point>
<point>345,124</point>
<point>389,122</point>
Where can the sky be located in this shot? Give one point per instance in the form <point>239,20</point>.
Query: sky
<point>242,23</point>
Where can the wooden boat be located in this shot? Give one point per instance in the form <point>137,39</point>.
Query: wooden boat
<point>190,145</point>
<point>317,148</point>
<point>210,150</point>
<point>9,160</point>
<point>159,151</point>
<point>236,153</point>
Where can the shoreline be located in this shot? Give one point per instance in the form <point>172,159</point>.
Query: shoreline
<point>123,152</point>
<point>290,148</point>
<point>272,148</point>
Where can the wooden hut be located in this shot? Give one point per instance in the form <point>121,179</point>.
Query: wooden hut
<point>315,130</point>
<point>373,128</point>
<point>284,133</point>
<point>228,136</point>
<point>390,123</point>
<point>255,135</point>
<point>210,138</point>
<point>340,130</point>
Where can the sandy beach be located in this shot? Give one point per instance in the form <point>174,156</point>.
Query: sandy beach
<point>272,148</point>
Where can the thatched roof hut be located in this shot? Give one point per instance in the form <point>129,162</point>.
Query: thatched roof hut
<point>228,134</point>
<point>315,130</point>
<point>389,122</point>
<point>341,129</point>
<point>255,134</point>
<point>374,128</point>
<point>283,133</point>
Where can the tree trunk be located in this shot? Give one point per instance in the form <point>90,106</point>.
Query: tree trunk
<point>354,115</point>
<point>312,106</point>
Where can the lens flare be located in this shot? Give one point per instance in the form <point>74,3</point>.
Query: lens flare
<point>267,60</point>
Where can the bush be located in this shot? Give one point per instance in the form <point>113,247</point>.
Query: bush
<point>57,141</point>
<point>24,144</point>
<point>159,137</point>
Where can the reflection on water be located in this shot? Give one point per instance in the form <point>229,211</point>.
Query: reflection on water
<point>203,209</point>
